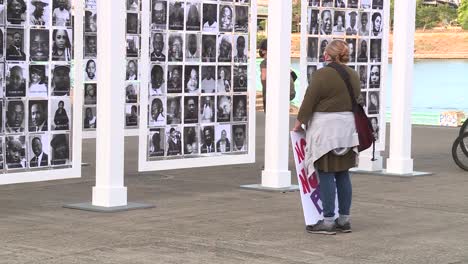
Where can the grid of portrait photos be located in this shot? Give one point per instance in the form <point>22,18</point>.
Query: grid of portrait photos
<point>360,24</point>
<point>35,78</point>
<point>90,66</point>
<point>198,98</point>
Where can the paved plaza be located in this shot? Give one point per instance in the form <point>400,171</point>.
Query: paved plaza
<point>202,216</point>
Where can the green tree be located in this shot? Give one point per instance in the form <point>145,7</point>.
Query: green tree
<point>296,16</point>
<point>463,14</point>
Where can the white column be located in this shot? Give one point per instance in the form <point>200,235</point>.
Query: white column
<point>276,173</point>
<point>400,161</point>
<point>109,190</point>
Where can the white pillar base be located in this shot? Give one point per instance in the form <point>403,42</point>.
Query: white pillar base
<point>109,196</point>
<point>399,166</point>
<point>367,164</point>
<point>276,179</point>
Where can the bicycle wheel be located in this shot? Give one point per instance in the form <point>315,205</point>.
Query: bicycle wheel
<point>464,127</point>
<point>459,154</point>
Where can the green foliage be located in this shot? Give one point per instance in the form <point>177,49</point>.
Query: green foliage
<point>260,38</point>
<point>296,16</point>
<point>463,14</point>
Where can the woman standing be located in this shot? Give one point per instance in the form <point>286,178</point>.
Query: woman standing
<point>331,136</point>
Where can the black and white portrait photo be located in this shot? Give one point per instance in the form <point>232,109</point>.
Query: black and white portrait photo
<point>374,76</point>
<point>377,25</point>
<point>90,70</point>
<point>240,78</point>
<point>364,98</point>
<point>158,15</point>
<point>90,21</point>
<point>90,4</point>
<point>193,48</point>
<point>375,127</point>
<point>174,110</point>
<point>240,108</point>
<point>133,46</point>
<point>38,150</point>
<point>157,114</point>
<point>326,22</point>
<point>312,49</point>
<point>377,4</point>
<point>158,47</point>
<point>2,165</point>
<point>158,84</point>
<point>376,50</point>
<point>176,15</point>
<point>207,109</point>
<point>210,18</point>
<point>351,23</point>
<point>16,12</point>
<point>314,3</point>
<point>61,80</point>
<point>15,152</point>
<point>190,109</point>
<point>242,19</point>
<point>90,93</point>
<point>132,5</point>
<point>352,49</point>
<point>15,113</point>
<point>62,47</point>
<point>362,70</point>
<point>131,115</point>
<point>339,23</point>
<point>373,103</point>
<point>61,108</point>
<point>223,82</point>
<point>366,4</point>
<point>223,138</point>
<point>90,119</point>
<point>364,25</point>
<point>353,3</point>
<point>39,12</point>
<point>15,44</point>
<point>2,45</point>
<point>208,82</point>
<point>191,140</point>
<point>340,3</point>
<point>16,80</point>
<point>193,22</point>
<point>174,141</point>
<point>208,48</point>
<point>225,18</point>
<point>310,70</point>
<point>131,93</point>
<point>191,79</point>
<point>61,13</point>
<point>132,70</point>
<point>38,115</point>
<point>327,3</point>
<point>224,106</point>
<point>240,49</point>
<point>207,140</point>
<point>239,138</point>
<point>132,23</point>
<point>90,46</point>
<point>363,54</point>
<point>313,18</point>
<point>174,79</point>
<point>156,142</point>
<point>176,47</point>
<point>225,48</point>
<point>323,45</point>
<point>39,44</point>
<point>60,149</point>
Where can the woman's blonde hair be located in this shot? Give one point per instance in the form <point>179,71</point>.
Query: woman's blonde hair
<point>338,51</point>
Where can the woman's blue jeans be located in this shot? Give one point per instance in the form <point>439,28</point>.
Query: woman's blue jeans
<point>330,183</point>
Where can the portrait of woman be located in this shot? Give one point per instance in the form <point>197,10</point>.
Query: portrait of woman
<point>16,11</point>
<point>61,48</point>
<point>61,120</point>
<point>37,81</point>
<point>376,24</point>
<point>374,105</point>
<point>223,83</point>
<point>191,79</point>
<point>157,116</point>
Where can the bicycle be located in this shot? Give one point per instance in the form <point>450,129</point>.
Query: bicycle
<point>460,147</point>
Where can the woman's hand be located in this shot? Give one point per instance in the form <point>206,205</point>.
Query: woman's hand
<point>297,127</point>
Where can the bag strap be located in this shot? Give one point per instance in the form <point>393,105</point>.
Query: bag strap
<point>345,76</point>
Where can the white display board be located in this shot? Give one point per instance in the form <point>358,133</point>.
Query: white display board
<point>197,84</point>
<point>364,24</point>
<point>40,135</point>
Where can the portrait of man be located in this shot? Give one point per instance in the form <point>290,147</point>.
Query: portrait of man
<point>366,4</point>
<point>132,70</point>
<point>61,80</point>
<point>90,71</point>
<point>60,149</point>
<point>312,49</point>
<point>225,48</point>
<point>38,116</point>
<point>191,140</point>
<point>239,138</point>
<point>39,16</point>
<point>14,117</point>
<point>351,23</point>
<point>15,152</point>
<point>240,52</point>
<point>157,116</point>
<point>90,48</point>
<point>190,109</point>
<point>90,20</point>
<point>90,94</point>
<point>192,52</point>
<point>158,47</point>
<point>61,13</point>
<point>174,144</point>
<point>16,81</point>
<point>326,27</point>
<point>207,109</point>
<point>210,23</point>
<point>39,45</point>
<point>208,83</point>
<point>39,157</point>
<point>242,19</point>
<point>352,3</point>
<point>240,108</point>
<point>208,48</point>
<point>133,46</point>
<point>363,54</point>
<point>223,144</point>
<point>364,27</point>
<point>313,21</point>
<point>158,15</point>
<point>191,79</point>
<point>340,3</point>
<point>131,116</point>
<point>15,45</point>
<point>374,79</point>
<point>377,4</point>
<point>327,3</point>
<point>16,11</point>
<point>174,79</point>
<point>225,18</point>
<point>240,78</point>
<point>207,140</point>
<point>352,49</point>
<point>224,108</point>
<point>176,52</point>
<point>90,120</point>
<point>176,16</point>
<point>174,110</point>
<point>157,80</point>
<point>376,50</point>
<point>131,93</point>
<point>156,142</point>
<point>193,22</point>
